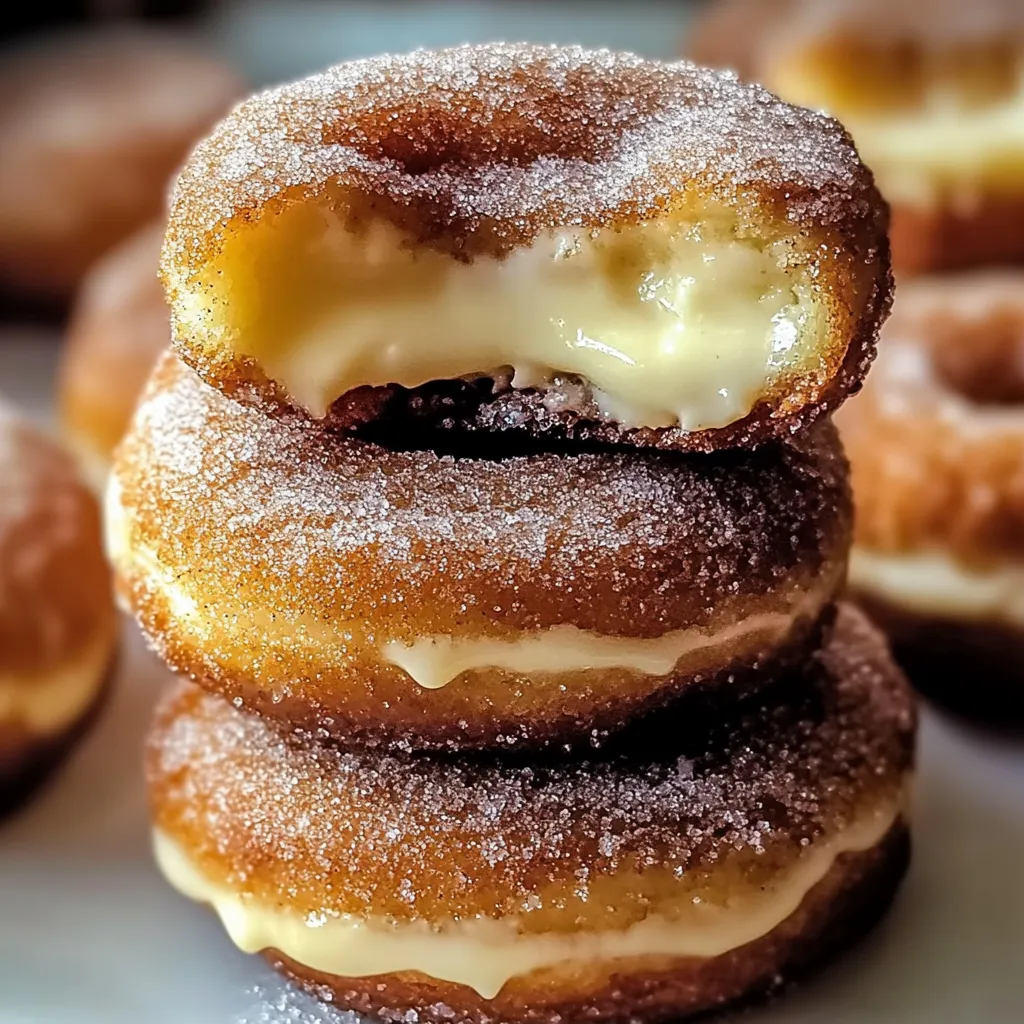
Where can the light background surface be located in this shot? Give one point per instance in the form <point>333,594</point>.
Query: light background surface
<point>88,931</point>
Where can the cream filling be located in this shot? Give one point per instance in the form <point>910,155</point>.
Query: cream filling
<point>933,583</point>
<point>669,324</point>
<point>485,953</point>
<point>436,661</point>
<point>48,704</point>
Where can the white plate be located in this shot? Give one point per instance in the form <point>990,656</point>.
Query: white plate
<point>89,932</point>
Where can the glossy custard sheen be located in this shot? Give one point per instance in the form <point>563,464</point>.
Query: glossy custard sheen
<point>670,322</point>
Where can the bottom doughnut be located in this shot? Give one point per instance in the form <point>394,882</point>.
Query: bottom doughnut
<point>835,914</point>
<point>727,853</point>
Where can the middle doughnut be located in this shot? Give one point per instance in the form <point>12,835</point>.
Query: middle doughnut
<point>511,597</point>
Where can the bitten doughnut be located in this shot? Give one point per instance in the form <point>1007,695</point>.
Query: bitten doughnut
<point>931,90</point>
<point>446,599</point>
<point>57,622</point>
<point>684,260</point>
<point>91,129</point>
<point>119,325</point>
<point>639,888</point>
<point>936,443</point>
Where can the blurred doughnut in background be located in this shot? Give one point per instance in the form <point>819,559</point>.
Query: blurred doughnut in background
<point>936,446</point>
<point>119,325</point>
<point>92,126</point>
<point>932,92</point>
<point>58,629</point>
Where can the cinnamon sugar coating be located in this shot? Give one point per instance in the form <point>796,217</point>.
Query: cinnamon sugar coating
<point>55,600</point>
<point>274,561</point>
<point>92,126</point>
<point>119,326</point>
<point>711,807</point>
<point>477,149</point>
<point>836,913</point>
<point>476,152</point>
<point>936,440</point>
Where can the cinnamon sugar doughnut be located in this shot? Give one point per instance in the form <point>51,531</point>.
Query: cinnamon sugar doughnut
<point>119,326</point>
<point>683,259</point>
<point>931,90</point>
<point>448,600</point>
<point>57,622</point>
<point>661,882</point>
<point>936,443</point>
<point>92,127</point>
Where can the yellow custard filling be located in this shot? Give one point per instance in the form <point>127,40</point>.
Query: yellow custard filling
<point>670,322</point>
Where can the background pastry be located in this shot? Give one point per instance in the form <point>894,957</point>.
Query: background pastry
<point>57,624</point>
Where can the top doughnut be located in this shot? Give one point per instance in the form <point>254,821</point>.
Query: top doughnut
<point>709,263</point>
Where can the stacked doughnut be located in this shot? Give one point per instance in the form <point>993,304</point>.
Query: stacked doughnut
<point>933,92</point>
<point>489,505</point>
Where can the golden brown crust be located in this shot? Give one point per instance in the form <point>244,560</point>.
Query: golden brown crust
<point>91,129</point>
<point>307,552</point>
<point>518,158</point>
<point>725,799</point>
<point>835,913</point>
<point>377,137</point>
<point>119,326</point>
<point>936,439</point>
<point>55,600</point>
